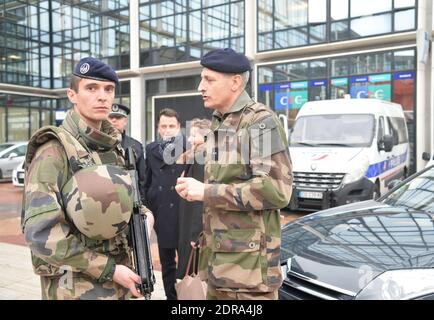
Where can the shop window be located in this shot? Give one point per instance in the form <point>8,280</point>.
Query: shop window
<point>317,69</point>
<point>339,67</point>
<point>374,86</point>
<point>18,124</point>
<point>403,90</point>
<point>34,120</point>
<point>339,88</point>
<point>265,94</point>
<point>2,125</point>
<point>317,90</point>
<point>404,60</point>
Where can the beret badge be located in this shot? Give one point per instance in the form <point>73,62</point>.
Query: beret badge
<point>84,68</point>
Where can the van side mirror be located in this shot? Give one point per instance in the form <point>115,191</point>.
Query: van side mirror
<point>290,134</point>
<point>426,156</point>
<point>392,184</point>
<point>386,143</point>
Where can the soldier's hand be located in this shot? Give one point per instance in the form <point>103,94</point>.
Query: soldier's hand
<point>190,189</point>
<point>127,278</point>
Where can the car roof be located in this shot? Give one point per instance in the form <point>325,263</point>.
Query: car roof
<point>15,145</point>
<point>351,106</point>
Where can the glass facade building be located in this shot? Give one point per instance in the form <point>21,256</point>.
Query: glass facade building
<point>300,50</point>
<point>177,31</point>
<point>293,23</point>
<point>42,40</point>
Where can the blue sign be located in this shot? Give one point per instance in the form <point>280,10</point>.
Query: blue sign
<point>404,76</point>
<point>358,92</point>
<point>281,101</point>
<point>265,87</point>
<point>290,100</point>
<point>359,79</point>
<point>282,86</point>
<point>318,83</point>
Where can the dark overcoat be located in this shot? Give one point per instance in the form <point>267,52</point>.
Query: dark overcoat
<point>161,196</point>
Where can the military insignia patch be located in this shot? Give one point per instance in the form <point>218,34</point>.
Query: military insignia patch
<point>84,68</point>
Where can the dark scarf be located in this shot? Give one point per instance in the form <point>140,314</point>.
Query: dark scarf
<point>172,148</point>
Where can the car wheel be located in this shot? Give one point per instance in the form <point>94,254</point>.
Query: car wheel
<point>376,193</point>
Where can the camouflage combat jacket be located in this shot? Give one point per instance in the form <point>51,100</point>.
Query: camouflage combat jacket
<point>55,243</point>
<point>248,178</point>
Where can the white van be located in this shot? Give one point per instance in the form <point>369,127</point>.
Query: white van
<point>346,150</point>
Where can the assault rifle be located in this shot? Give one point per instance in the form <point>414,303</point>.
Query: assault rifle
<point>139,234</point>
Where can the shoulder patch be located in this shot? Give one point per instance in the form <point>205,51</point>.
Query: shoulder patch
<point>267,137</point>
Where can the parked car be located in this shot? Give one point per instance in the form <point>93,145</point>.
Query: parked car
<point>376,249</point>
<point>6,145</point>
<point>10,158</point>
<point>18,175</point>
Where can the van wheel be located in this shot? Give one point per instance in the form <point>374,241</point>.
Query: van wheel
<point>376,193</point>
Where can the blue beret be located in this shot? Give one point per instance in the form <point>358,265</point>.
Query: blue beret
<point>119,109</point>
<point>226,61</point>
<point>92,68</point>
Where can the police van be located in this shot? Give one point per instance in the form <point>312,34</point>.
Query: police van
<point>346,150</point>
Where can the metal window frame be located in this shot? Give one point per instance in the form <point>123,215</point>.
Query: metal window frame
<point>328,23</point>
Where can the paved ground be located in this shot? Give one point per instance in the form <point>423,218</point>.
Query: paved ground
<point>17,280</point>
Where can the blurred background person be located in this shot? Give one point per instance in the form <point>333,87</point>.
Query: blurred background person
<point>190,213</point>
<point>161,196</point>
<point>118,117</point>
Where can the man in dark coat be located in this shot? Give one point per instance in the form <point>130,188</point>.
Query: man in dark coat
<point>119,119</point>
<point>162,199</point>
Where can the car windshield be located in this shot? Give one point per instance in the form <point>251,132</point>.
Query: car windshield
<point>4,146</point>
<point>416,194</point>
<point>345,130</point>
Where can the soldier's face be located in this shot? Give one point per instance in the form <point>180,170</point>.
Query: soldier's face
<point>119,122</point>
<point>218,89</point>
<point>168,127</point>
<point>93,100</point>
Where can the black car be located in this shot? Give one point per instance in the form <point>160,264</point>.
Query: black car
<point>380,249</point>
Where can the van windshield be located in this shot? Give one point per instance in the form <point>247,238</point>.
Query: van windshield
<point>337,130</point>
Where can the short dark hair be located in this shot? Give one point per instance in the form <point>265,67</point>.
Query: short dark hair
<point>169,113</point>
<point>74,82</point>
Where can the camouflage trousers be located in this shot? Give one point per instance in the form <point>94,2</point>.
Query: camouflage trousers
<point>81,287</point>
<point>215,294</point>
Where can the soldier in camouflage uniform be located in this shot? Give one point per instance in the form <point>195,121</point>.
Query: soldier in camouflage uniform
<point>248,178</point>
<point>78,197</point>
